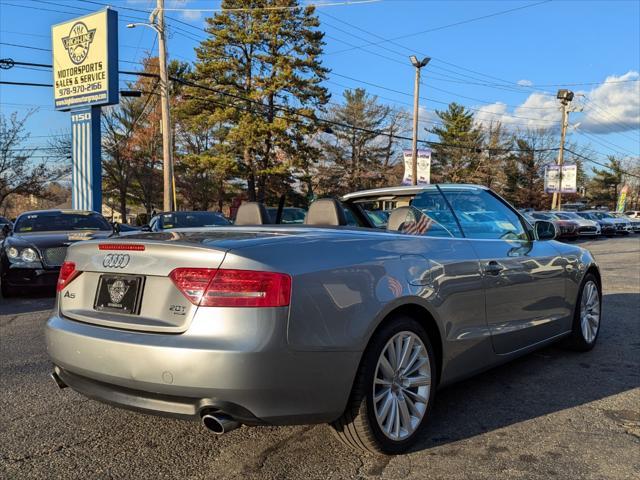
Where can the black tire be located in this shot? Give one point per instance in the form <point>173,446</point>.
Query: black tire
<point>577,341</point>
<point>358,427</point>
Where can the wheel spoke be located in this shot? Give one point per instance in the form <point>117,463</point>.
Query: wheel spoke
<point>418,381</point>
<point>406,351</point>
<point>416,396</point>
<point>405,416</point>
<point>386,407</point>
<point>382,394</point>
<point>392,357</point>
<point>417,365</point>
<point>385,366</point>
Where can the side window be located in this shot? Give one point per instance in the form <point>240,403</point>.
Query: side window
<point>432,204</point>
<point>482,215</point>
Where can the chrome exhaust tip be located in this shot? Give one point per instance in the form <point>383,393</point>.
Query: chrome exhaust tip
<point>219,423</point>
<point>56,378</point>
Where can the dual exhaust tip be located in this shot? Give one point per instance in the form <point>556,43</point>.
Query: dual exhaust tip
<point>219,423</point>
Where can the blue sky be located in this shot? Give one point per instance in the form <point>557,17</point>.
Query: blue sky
<point>506,66</point>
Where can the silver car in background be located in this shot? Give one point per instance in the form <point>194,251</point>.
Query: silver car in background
<point>332,321</point>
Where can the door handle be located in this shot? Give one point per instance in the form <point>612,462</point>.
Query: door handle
<point>493,268</point>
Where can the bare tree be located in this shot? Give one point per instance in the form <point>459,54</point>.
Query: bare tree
<point>20,173</point>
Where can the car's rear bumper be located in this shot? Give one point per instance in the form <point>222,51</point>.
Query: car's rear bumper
<point>255,380</point>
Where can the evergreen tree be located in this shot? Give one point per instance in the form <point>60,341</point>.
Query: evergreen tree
<point>255,61</point>
<point>605,184</point>
<point>357,157</point>
<point>459,147</point>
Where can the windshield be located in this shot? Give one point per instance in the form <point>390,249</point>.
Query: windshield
<point>60,221</point>
<point>192,220</point>
<point>3,221</point>
<point>586,215</point>
<point>542,216</point>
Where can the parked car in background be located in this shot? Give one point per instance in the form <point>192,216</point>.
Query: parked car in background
<point>586,227</point>
<point>322,322</point>
<point>568,229</point>
<point>290,215</point>
<point>632,213</point>
<point>34,250</point>
<point>633,222</point>
<point>622,226</point>
<point>4,226</point>
<point>188,219</point>
<point>607,227</point>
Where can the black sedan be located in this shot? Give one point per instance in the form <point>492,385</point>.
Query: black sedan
<point>33,250</point>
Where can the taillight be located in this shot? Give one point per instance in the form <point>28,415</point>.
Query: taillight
<point>233,288</point>
<point>67,273</point>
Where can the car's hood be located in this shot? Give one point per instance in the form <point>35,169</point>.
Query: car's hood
<point>51,239</point>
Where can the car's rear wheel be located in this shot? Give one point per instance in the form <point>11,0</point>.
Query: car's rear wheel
<point>393,391</point>
<point>586,321</point>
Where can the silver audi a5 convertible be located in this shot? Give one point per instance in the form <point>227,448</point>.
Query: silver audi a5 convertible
<point>343,319</point>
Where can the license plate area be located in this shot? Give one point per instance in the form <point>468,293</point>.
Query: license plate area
<point>119,293</point>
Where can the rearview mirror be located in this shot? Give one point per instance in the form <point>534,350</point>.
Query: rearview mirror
<point>545,230</point>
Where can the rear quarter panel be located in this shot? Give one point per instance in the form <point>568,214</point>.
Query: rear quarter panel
<point>345,284</point>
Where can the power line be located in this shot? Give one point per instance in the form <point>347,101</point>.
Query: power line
<point>625,172</point>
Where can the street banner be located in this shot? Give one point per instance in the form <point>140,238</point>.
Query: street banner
<point>569,179</point>
<point>622,199</point>
<point>424,167</point>
<point>85,61</point>
<point>552,179</point>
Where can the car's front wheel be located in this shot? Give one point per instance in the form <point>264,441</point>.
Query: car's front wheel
<point>393,391</point>
<point>586,321</point>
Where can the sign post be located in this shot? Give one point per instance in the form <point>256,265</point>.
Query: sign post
<point>85,77</point>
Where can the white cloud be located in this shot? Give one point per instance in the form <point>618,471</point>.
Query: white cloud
<point>539,110</point>
<point>613,106</point>
<point>525,83</point>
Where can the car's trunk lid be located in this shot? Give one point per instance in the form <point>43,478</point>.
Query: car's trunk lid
<point>125,283</point>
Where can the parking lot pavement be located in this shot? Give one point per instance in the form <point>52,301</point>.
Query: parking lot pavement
<point>552,414</point>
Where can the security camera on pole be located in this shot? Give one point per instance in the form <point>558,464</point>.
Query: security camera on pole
<point>416,102</point>
<point>565,97</point>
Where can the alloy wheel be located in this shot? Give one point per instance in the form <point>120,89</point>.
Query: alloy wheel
<point>590,311</point>
<point>402,384</point>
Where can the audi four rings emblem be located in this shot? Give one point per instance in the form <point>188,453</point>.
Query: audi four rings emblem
<point>116,260</point>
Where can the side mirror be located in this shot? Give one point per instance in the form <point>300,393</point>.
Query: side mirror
<point>6,230</point>
<point>116,228</point>
<point>145,228</point>
<point>545,230</point>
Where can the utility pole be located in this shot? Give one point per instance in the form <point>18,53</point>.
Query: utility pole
<point>167,148</point>
<point>416,109</point>
<point>156,21</point>
<point>565,97</point>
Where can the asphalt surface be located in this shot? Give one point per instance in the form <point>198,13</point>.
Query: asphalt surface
<point>551,414</point>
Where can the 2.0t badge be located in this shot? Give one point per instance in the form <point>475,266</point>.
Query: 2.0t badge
<point>116,260</point>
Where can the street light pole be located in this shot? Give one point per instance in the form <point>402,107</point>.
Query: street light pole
<point>156,20</point>
<point>565,97</point>
<point>416,110</point>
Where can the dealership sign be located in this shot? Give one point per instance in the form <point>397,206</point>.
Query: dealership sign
<point>85,77</point>
<point>85,61</point>
<point>424,167</point>
<point>553,179</point>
